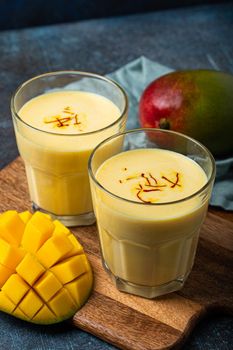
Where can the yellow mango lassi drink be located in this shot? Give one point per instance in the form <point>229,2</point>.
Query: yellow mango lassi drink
<point>56,132</point>
<point>149,211</point>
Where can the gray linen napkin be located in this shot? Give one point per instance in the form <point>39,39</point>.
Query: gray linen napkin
<point>134,77</point>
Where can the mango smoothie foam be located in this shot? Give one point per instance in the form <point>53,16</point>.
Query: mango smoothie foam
<point>56,131</point>
<point>148,215</point>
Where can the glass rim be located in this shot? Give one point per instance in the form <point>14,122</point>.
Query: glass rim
<point>211,178</point>
<point>74,72</point>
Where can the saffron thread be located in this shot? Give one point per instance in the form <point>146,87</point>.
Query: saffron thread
<point>152,187</point>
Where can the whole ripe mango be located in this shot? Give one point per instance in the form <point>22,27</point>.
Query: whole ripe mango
<point>45,276</point>
<point>198,103</point>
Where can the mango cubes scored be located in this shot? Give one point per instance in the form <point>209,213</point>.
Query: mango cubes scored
<point>45,276</point>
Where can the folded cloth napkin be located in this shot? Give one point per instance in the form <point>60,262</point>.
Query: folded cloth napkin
<point>134,77</point>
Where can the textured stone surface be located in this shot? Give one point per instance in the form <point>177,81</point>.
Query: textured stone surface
<point>41,12</point>
<point>197,37</point>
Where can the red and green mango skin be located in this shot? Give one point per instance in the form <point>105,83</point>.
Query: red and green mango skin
<point>198,103</point>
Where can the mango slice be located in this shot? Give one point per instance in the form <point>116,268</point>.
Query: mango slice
<point>11,227</point>
<point>45,276</point>
<point>40,227</point>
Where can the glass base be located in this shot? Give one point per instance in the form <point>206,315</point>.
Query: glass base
<point>148,292</point>
<point>70,220</point>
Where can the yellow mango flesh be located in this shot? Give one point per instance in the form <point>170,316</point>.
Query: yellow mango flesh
<point>45,276</point>
<point>25,216</point>
<point>11,227</point>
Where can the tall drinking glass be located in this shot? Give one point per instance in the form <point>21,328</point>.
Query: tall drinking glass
<point>58,119</point>
<point>150,190</point>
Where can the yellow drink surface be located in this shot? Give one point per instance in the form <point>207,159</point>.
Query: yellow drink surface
<point>152,240</point>
<point>69,112</point>
<point>57,154</point>
<point>151,175</point>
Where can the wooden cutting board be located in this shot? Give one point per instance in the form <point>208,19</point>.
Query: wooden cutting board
<point>131,322</point>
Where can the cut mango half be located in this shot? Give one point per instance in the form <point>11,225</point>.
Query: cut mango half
<point>45,276</point>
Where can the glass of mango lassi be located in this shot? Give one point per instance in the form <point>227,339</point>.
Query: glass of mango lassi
<point>150,193</point>
<point>59,118</point>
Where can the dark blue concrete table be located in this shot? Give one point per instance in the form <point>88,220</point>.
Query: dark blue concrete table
<point>195,37</point>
